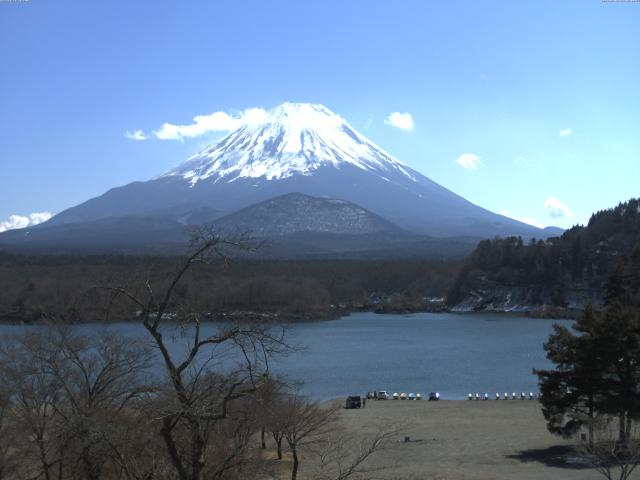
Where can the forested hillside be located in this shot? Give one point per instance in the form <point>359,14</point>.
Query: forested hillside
<point>570,271</point>
<point>33,286</point>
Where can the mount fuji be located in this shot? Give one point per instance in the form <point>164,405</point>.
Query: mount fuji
<point>296,148</point>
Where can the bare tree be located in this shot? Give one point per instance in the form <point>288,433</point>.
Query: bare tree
<point>69,395</point>
<point>302,423</point>
<point>216,368</point>
<point>315,431</point>
<point>278,436</point>
<point>341,456</point>
<point>268,404</point>
<point>34,399</point>
<point>8,460</point>
<point>611,457</point>
<point>137,452</point>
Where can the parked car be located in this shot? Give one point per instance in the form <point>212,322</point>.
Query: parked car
<point>382,395</point>
<point>434,396</point>
<point>353,402</point>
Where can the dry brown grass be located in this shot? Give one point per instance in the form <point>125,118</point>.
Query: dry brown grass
<point>470,440</point>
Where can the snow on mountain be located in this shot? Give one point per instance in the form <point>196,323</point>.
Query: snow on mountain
<point>305,148</point>
<point>294,139</point>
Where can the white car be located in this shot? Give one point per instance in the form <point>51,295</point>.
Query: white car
<point>382,395</point>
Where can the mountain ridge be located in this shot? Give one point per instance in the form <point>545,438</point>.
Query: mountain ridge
<point>291,226</point>
<point>297,148</point>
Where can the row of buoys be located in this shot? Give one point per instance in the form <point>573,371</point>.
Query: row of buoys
<point>514,396</point>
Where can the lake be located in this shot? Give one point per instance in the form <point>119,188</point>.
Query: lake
<point>453,354</point>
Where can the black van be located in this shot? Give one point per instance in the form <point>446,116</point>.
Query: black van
<point>353,402</point>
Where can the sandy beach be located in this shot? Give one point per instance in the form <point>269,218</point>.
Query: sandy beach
<point>471,440</point>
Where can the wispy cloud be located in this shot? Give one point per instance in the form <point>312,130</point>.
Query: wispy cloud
<point>565,132</point>
<point>21,221</point>
<point>367,124</point>
<point>470,161</point>
<point>136,135</point>
<point>557,209</point>
<point>203,124</point>
<point>403,121</point>
<point>528,220</point>
<point>520,159</point>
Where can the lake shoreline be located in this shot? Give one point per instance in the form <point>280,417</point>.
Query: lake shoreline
<point>336,313</point>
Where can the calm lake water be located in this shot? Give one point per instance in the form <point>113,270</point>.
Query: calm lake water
<point>453,354</point>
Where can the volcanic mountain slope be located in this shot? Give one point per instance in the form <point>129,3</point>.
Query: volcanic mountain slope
<point>300,148</point>
<point>297,213</point>
<point>290,226</point>
<point>122,235</point>
<point>295,225</point>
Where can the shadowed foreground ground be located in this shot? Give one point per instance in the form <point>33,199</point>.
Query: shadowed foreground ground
<point>469,440</point>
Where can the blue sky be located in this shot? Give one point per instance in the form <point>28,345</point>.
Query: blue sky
<point>542,97</point>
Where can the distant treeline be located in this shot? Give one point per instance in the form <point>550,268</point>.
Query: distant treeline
<point>570,271</point>
<point>71,286</point>
<point>572,268</point>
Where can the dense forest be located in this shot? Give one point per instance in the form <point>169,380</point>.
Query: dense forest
<point>554,275</point>
<point>75,287</point>
<point>570,271</point>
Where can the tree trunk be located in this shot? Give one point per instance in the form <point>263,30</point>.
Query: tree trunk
<point>277,437</point>
<point>591,420</point>
<point>174,454</point>
<point>263,443</point>
<point>197,450</point>
<point>294,470</point>
<point>43,457</point>
<point>622,424</point>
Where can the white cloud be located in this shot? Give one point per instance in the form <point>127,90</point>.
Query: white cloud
<point>214,122</point>
<point>528,220</point>
<point>14,221</point>
<point>565,132</point>
<point>470,161</point>
<point>556,209</point>
<point>20,221</point>
<point>520,159</point>
<point>39,217</point>
<point>367,124</point>
<point>403,121</point>
<point>136,135</point>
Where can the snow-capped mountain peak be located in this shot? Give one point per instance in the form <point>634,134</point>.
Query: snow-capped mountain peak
<point>292,139</point>
<point>303,149</point>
